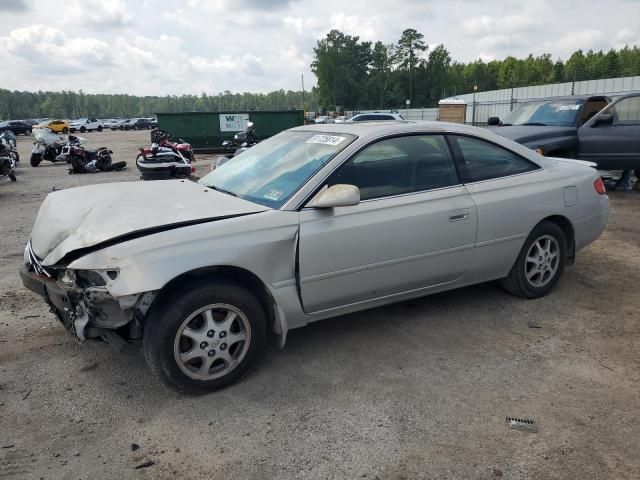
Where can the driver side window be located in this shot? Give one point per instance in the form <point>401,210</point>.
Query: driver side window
<point>627,111</point>
<point>398,166</point>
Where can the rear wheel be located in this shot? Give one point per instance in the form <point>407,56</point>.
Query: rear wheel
<point>205,338</point>
<point>12,176</point>
<point>35,159</point>
<point>27,132</point>
<point>540,263</point>
<point>65,130</point>
<point>83,129</point>
<point>99,128</point>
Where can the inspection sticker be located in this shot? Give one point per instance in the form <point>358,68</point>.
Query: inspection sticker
<point>567,107</point>
<point>273,195</point>
<point>326,139</point>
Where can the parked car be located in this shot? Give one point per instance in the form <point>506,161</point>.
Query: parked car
<point>56,126</point>
<point>324,119</point>
<point>153,121</point>
<point>137,124</point>
<point>17,127</point>
<point>312,223</point>
<point>340,119</point>
<point>369,117</point>
<point>119,124</point>
<point>587,127</point>
<point>86,125</point>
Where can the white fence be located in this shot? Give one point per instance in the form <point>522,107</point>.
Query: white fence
<point>498,103</point>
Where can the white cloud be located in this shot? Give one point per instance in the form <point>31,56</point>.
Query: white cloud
<point>175,47</point>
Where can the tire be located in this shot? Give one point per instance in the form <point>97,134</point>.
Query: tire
<point>83,129</point>
<point>12,176</point>
<point>99,128</point>
<point>164,338</point>
<point>35,159</point>
<point>65,130</point>
<point>27,132</point>
<point>537,271</point>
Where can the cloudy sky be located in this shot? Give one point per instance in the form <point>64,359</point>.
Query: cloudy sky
<point>160,47</point>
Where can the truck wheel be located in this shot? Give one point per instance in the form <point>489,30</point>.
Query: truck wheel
<point>83,129</point>
<point>540,263</point>
<point>35,159</point>
<point>99,128</point>
<point>205,337</point>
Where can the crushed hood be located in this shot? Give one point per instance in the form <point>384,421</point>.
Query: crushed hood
<point>531,133</point>
<point>83,217</point>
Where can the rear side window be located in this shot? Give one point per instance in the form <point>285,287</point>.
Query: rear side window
<point>482,160</point>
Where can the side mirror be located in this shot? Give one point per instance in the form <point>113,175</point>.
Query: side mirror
<point>603,119</point>
<point>336,196</point>
<point>493,121</point>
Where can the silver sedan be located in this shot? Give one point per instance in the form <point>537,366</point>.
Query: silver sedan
<point>316,222</point>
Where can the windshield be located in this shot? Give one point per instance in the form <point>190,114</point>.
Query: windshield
<point>273,170</point>
<point>558,113</point>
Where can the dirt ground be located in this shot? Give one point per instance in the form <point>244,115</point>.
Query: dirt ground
<point>419,389</point>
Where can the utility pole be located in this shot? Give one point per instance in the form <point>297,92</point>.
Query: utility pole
<point>303,109</point>
<point>410,71</point>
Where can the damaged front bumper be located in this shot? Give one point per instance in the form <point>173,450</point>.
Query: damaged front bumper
<point>86,309</point>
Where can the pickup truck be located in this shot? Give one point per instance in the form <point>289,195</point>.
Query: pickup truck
<point>86,125</point>
<point>595,128</point>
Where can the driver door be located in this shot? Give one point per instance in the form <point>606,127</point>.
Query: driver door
<point>415,226</point>
<point>612,137</point>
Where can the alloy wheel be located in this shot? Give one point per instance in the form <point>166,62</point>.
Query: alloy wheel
<point>212,341</point>
<point>542,260</point>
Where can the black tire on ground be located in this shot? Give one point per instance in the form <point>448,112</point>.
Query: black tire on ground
<point>518,283</point>
<point>17,157</point>
<point>165,319</point>
<point>12,176</point>
<point>27,132</point>
<point>65,130</point>
<point>83,129</point>
<point>99,128</point>
<point>35,159</point>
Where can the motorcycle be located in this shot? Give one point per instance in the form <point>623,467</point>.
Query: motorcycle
<point>165,159</point>
<point>10,138</point>
<point>47,146</point>
<point>242,141</point>
<point>65,152</point>
<point>88,161</point>
<point>7,159</point>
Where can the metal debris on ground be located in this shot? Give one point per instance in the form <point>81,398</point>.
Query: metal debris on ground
<point>523,424</point>
<point>144,465</point>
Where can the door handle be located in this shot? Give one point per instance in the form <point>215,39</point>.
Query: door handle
<point>457,215</point>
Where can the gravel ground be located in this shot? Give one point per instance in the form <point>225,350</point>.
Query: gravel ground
<point>419,389</point>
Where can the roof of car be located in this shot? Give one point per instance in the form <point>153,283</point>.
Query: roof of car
<point>389,127</point>
<point>565,97</point>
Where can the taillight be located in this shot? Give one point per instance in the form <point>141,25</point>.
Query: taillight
<point>599,186</point>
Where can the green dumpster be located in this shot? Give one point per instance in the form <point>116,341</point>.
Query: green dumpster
<point>206,131</point>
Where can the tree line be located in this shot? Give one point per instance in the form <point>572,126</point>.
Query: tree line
<point>361,75</point>
<point>351,74</point>
<point>68,104</point>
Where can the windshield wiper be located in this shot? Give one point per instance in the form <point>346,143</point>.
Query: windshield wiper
<point>535,124</point>
<point>218,189</point>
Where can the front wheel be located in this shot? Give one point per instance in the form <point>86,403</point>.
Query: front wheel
<point>35,159</point>
<point>99,128</point>
<point>540,263</point>
<point>65,130</point>
<point>12,176</point>
<point>205,338</point>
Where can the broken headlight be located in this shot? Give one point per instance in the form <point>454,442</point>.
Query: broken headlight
<point>87,278</point>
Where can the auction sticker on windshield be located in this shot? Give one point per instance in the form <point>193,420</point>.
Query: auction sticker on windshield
<point>326,139</point>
